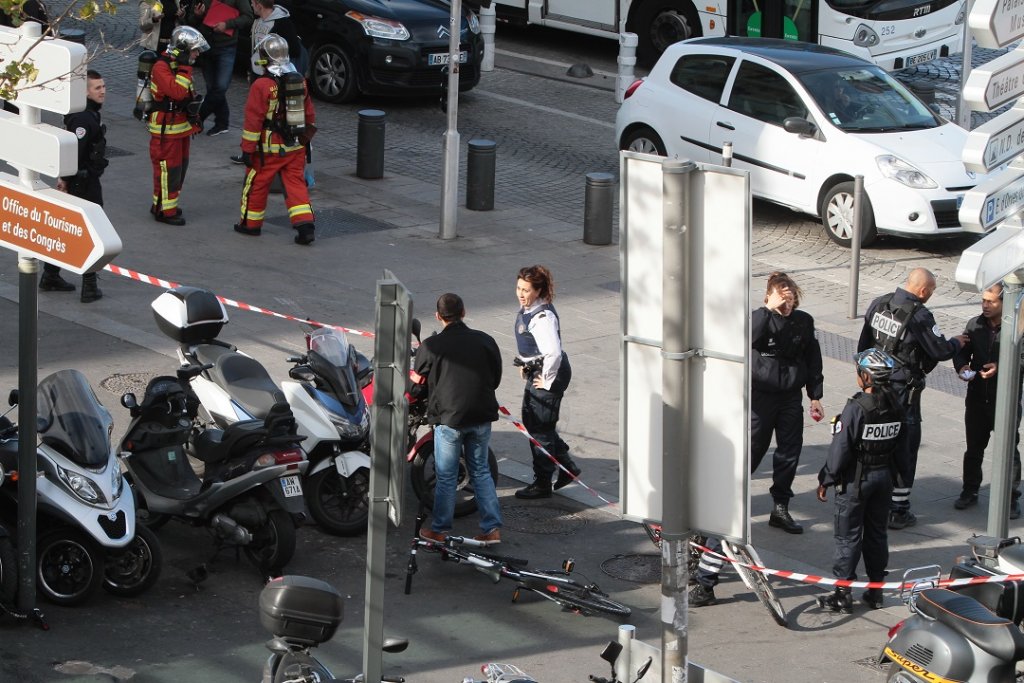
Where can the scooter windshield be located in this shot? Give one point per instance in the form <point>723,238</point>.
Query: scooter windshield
<point>334,360</point>
<point>71,419</point>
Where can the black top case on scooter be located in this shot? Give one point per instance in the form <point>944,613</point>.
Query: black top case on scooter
<point>1006,598</point>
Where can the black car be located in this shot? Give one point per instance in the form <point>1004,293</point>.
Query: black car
<point>383,47</point>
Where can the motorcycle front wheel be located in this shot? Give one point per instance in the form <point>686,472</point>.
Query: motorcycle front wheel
<point>69,566</point>
<point>340,505</point>
<point>133,569</point>
<point>273,544</point>
<point>424,478</point>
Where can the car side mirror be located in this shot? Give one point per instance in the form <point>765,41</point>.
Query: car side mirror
<point>799,126</point>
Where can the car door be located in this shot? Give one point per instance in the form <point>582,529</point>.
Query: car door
<point>694,90</point>
<point>759,99</point>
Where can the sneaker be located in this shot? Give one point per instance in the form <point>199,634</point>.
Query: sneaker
<point>216,130</point>
<point>839,601</point>
<point>566,478</point>
<point>1015,509</point>
<point>965,501</point>
<point>492,537</point>
<point>701,596</point>
<point>431,535</point>
<point>781,519</point>
<point>538,489</point>
<point>873,598</point>
<point>901,520</point>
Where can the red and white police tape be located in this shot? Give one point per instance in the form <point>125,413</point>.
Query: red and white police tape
<point>846,583</point>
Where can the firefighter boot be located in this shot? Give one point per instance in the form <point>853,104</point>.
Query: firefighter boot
<point>90,292</point>
<point>305,233</point>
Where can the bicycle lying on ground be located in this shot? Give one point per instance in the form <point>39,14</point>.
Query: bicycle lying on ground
<point>553,584</point>
<point>741,556</point>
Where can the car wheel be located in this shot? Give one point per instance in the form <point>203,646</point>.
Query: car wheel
<point>660,23</point>
<point>332,74</point>
<point>837,216</point>
<point>643,140</point>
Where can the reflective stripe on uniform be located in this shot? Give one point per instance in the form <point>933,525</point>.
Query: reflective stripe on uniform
<point>250,136</point>
<point>170,128</point>
<point>299,209</point>
<point>901,495</point>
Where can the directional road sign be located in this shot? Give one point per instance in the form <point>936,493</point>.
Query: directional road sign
<point>41,147</point>
<point>997,23</point>
<point>55,227</point>
<point>995,142</point>
<point>990,259</point>
<point>60,83</point>
<point>992,201</point>
<point>995,83</point>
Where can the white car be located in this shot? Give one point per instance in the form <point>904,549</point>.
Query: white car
<point>804,120</point>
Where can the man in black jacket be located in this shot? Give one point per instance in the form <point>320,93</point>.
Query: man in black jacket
<point>976,364</point>
<point>463,369</point>
<point>785,362</point>
<point>901,325</point>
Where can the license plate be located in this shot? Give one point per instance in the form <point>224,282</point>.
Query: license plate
<point>959,200</point>
<point>922,58</point>
<point>442,58</point>
<point>292,486</point>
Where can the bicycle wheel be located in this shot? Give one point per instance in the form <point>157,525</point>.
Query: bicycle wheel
<point>586,599</point>
<point>756,581</point>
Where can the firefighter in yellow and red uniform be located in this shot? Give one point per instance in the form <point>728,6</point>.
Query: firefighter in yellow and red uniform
<point>173,120</point>
<point>279,123</point>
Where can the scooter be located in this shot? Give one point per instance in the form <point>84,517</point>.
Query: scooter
<point>949,636</point>
<point>510,673</point>
<point>250,493</point>
<point>302,612</point>
<point>420,452</point>
<point>234,387</point>
<point>87,531</point>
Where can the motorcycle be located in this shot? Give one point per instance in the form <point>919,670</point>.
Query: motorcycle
<point>300,613</point>
<point>510,673</point>
<point>233,386</point>
<point>334,418</point>
<point>87,531</point>
<point>250,493</point>
<point>420,452</point>
<point>949,636</point>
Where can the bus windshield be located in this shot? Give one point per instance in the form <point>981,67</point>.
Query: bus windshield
<point>887,9</point>
<point>867,99</point>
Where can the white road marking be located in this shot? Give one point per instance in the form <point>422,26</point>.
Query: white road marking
<point>541,107</point>
<point>550,62</point>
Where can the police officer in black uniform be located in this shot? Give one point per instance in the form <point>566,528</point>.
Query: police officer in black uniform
<point>859,465</point>
<point>92,160</point>
<point>903,327</point>
<point>977,364</point>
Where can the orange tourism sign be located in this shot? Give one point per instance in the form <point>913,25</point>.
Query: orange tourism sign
<point>55,227</point>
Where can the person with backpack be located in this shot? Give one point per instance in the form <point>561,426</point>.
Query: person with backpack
<point>901,325</point>
<point>865,439</point>
<point>279,122</point>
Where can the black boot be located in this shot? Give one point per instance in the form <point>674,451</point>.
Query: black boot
<point>840,601</point>
<point>564,478</point>
<point>873,598</point>
<point>540,488</point>
<point>51,281</point>
<point>305,235</point>
<point>90,292</point>
<point>781,519</point>
<point>701,596</point>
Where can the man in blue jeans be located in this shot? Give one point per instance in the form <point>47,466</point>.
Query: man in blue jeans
<point>221,31</point>
<point>463,369</point>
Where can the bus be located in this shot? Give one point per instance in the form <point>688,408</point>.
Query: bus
<point>895,34</point>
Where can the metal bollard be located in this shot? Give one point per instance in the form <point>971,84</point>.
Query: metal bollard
<point>597,208</point>
<point>370,144</point>
<point>627,63</point>
<point>488,24</point>
<point>480,164</point>
<point>74,35</point>
<point>727,154</point>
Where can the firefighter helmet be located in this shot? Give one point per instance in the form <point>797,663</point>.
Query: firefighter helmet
<point>272,54</point>
<point>184,39</point>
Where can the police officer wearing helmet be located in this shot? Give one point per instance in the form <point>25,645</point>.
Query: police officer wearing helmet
<point>901,325</point>
<point>279,123</point>
<point>859,465</point>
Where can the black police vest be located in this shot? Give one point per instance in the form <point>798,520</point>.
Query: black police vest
<point>526,345</point>
<point>889,329</point>
<point>879,432</point>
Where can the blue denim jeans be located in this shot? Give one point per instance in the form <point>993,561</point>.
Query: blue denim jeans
<point>218,65</point>
<point>449,444</point>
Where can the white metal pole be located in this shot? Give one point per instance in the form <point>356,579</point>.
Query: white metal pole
<point>488,25</point>
<point>627,64</point>
<point>450,181</point>
<point>963,112</point>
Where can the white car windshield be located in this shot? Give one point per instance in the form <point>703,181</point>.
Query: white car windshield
<point>867,100</point>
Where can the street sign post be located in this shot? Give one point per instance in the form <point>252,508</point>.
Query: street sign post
<point>991,258</point>
<point>995,142</point>
<point>59,85</point>
<point>992,85</point>
<point>997,23</point>
<point>993,201</point>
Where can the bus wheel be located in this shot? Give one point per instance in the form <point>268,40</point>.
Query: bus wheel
<point>659,23</point>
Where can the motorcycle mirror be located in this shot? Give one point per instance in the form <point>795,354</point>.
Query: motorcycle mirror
<point>395,644</point>
<point>12,398</point>
<point>642,671</point>
<point>611,652</point>
<point>415,327</point>
<point>129,401</point>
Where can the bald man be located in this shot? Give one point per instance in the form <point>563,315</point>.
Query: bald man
<point>901,325</point>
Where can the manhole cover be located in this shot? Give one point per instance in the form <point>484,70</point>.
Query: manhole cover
<point>541,519</point>
<point>134,382</point>
<point>638,568</point>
